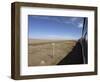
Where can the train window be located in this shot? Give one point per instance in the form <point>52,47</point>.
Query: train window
<point>84,30</point>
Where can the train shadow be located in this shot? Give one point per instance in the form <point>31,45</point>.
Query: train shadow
<point>74,57</point>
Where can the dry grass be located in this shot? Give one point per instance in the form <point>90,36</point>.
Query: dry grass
<point>48,52</point>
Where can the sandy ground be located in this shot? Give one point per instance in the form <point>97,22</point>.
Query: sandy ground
<point>48,52</point>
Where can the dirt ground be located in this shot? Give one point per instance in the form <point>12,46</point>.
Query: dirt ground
<point>48,52</point>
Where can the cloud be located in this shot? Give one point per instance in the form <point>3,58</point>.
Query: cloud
<point>55,37</point>
<point>80,25</point>
<point>73,19</point>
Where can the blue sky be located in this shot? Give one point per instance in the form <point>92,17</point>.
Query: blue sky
<point>54,27</point>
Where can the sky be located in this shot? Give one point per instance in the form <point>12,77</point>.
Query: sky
<point>55,27</point>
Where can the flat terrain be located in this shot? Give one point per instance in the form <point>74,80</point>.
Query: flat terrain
<point>48,52</point>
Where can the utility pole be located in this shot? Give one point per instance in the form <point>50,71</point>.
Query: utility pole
<point>53,48</point>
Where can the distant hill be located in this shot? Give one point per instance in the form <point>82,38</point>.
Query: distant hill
<point>40,41</point>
